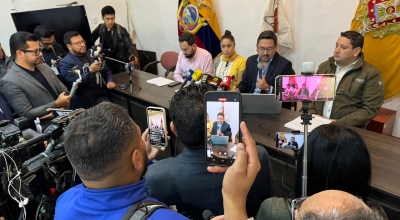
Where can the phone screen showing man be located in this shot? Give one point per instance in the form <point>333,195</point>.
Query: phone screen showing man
<point>157,127</point>
<point>222,127</point>
<point>289,140</point>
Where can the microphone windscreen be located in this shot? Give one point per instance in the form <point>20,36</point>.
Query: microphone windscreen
<point>259,66</point>
<point>197,75</point>
<point>207,215</point>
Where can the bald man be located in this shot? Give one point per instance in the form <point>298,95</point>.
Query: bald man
<point>334,204</point>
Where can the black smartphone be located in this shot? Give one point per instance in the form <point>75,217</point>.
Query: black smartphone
<point>174,84</point>
<point>156,119</point>
<point>223,115</point>
<point>59,112</point>
<point>300,87</point>
<point>289,140</point>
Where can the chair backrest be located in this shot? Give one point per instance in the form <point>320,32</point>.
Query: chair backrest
<point>169,59</point>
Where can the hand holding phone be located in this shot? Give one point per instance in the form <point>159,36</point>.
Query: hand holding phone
<point>156,120</point>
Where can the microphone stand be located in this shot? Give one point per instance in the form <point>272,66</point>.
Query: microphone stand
<point>129,70</point>
<point>306,117</point>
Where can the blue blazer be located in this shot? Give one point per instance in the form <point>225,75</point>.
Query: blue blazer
<point>225,129</point>
<point>88,90</point>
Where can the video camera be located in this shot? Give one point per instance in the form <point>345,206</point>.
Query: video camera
<point>31,171</point>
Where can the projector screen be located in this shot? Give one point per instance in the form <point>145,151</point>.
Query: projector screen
<point>61,20</point>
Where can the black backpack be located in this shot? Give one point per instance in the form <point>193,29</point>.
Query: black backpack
<point>143,210</point>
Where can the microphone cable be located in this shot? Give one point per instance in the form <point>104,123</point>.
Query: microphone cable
<point>340,135</point>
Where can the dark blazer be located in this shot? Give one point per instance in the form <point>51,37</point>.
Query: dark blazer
<point>88,90</point>
<point>279,66</point>
<point>28,97</point>
<point>293,145</point>
<point>306,92</point>
<point>225,129</point>
<point>185,182</point>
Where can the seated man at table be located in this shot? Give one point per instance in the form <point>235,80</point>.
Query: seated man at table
<point>90,92</point>
<point>356,78</point>
<point>318,93</point>
<point>220,127</point>
<point>192,57</point>
<point>184,180</point>
<point>304,91</point>
<point>292,143</point>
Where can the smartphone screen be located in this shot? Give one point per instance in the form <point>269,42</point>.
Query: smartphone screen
<point>311,88</point>
<point>58,112</point>
<point>157,126</point>
<point>222,133</point>
<point>289,140</point>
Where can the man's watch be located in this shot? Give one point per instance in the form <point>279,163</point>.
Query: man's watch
<point>237,89</point>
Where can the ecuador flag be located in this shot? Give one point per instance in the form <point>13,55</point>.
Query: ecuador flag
<point>198,17</point>
<point>379,22</point>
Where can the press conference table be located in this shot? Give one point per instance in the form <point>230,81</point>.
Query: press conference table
<point>384,150</point>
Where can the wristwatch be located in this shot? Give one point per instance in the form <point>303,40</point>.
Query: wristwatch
<point>237,89</point>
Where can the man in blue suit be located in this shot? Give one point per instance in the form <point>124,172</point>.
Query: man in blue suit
<point>221,128</point>
<point>89,92</point>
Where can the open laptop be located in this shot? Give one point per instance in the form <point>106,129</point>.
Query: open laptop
<point>219,140</point>
<point>260,104</point>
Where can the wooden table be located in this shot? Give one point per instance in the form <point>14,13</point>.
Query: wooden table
<point>384,150</point>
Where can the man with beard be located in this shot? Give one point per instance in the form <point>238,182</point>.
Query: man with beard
<point>273,65</point>
<point>90,91</point>
<point>32,88</point>
<point>192,57</point>
<point>110,156</point>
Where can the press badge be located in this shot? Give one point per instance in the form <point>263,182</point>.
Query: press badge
<point>85,69</point>
<point>55,70</point>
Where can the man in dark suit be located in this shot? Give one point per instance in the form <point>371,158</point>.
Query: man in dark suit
<point>220,127</point>
<point>89,92</point>
<point>273,66</point>
<point>304,91</point>
<point>31,88</point>
<point>184,180</point>
<point>292,144</point>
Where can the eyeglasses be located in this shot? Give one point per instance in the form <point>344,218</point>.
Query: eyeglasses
<point>37,51</point>
<point>263,49</point>
<point>48,44</point>
<point>80,43</point>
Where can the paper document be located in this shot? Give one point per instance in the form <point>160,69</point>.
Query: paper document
<point>160,81</point>
<point>315,122</point>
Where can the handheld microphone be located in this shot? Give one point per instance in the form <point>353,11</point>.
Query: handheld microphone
<point>207,215</point>
<point>188,77</point>
<point>307,68</point>
<point>206,79</point>
<point>197,76</point>
<point>226,83</point>
<point>259,66</point>
<point>215,82</point>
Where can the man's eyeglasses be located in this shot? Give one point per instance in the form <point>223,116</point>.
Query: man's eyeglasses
<point>263,49</point>
<point>37,51</point>
<point>80,43</point>
<point>48,44</point>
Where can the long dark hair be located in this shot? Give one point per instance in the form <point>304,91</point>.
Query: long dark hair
<point>350,170</point>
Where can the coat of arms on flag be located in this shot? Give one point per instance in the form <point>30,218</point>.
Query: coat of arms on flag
<point>379,22</point>
<point>198,17</point>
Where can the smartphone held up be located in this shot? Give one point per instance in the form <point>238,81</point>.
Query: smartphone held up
<point>156,120</point>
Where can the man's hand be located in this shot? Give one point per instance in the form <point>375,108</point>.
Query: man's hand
<point>56,63</point>
<point>151,151</point>
<point>50,116</point>
<point>239,177</point>
<point>333,120</point>
<point>95,67</point>
<point>134,59</point>
<point>110,85</point>
<point>63,100</point>
<point>219,132</point>
<point>262,84</point>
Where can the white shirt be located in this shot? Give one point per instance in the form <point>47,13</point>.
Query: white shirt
<point>326,112</point>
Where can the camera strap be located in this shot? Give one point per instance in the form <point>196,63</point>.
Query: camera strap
<point>143,210</point>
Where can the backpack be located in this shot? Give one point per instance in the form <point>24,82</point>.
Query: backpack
<point>143,210</point>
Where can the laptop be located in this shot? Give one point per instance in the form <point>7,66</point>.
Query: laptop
<point>260,104</point>
<point>219,140</point>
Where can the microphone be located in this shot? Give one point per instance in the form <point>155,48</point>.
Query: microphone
<point>226,83</point>
<point>206,79</point>
<point>207,215</point>
<point>188,77</point>
<point>197,76</point>
<point>215,82</point>
<point>259,66</point>
<point>307,68</point>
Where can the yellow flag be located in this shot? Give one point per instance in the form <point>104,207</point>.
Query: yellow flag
<point>379,22</point>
